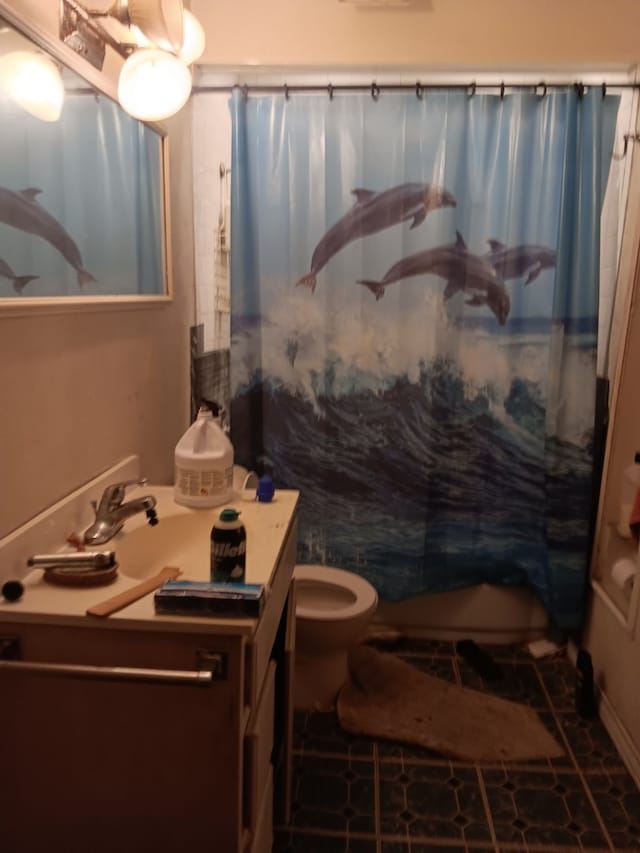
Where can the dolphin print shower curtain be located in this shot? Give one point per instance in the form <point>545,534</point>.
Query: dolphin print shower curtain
<point>414,284</point>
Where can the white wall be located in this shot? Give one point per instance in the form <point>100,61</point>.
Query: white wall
<point>504,34</point>
<point>80,391</point>
<point>613,628</point>
<point>211,149</point>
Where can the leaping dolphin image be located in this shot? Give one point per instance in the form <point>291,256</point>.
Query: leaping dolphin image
<point>21,210</point>
<point>463,271</point>
<point>491,293</point>
<point>515,262</point>
<point>373,212</point>
<point>19,281</point>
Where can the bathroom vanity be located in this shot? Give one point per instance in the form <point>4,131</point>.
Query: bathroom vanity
<point>141,732</point>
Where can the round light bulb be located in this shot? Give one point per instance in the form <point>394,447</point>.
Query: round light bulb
<point>34,82</point>
<point>153,84</point>
<point>139,37</point>
<point>194,39</point>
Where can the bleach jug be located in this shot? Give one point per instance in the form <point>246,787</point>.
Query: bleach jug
<point>204,462</point>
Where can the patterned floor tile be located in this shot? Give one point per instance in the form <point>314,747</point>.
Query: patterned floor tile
<point>423,847</point>
<point>559,677</point>
<point>507,652</point>
<point>589,742</point>
<point>618,800</point>
<point>333,794</point>
<point>541,807</point>
<point>434,802</point>
<point>306,842</point>
<point>321,732</point>
<point>427,804</point>
<point>519,683</point>
<point>414,646</point>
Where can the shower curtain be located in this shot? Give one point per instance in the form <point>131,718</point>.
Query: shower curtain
<point>414,283</point>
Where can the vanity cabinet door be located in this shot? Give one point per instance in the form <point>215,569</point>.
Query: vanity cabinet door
<point>128,765</point>
<point>262,841</point>
<point>258,749</point>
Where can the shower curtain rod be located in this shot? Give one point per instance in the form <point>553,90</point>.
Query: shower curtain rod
<point>418,88</point>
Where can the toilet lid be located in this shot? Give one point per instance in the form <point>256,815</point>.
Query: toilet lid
<point>332,593</point>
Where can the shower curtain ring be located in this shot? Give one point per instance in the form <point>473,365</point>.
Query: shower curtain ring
<point>579,87</point>
<point>502,90</point>
<point>330,91</point>
<point>542,85</point>
<point>245,92</point>
<point>471,90</point>
<point>375,91</point>
<point>604,90</point>
<point>419,91</point>
<point>286,92</point>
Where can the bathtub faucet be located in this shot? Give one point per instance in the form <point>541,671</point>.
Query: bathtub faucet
<point>112,511</point>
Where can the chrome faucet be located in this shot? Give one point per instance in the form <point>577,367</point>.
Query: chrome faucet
<point>111,512</point>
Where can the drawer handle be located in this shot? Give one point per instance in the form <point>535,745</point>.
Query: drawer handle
<point>215,663</point>
<point>201,678</point>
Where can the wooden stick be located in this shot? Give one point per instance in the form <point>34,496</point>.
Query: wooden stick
<point>117,602</point>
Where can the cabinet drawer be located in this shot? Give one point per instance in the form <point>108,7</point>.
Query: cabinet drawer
<point>258,744</point>
<point>262,841</point>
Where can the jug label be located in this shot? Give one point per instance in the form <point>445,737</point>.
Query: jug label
<point>203,483</point>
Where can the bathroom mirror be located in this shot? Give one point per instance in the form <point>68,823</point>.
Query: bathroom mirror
<point>82,189</point>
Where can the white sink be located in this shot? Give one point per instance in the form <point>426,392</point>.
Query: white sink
<point>181,540</point>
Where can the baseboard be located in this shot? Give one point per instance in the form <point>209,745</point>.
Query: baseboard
<point>629,752</point>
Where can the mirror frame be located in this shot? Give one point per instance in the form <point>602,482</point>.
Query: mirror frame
<point>47,39</point>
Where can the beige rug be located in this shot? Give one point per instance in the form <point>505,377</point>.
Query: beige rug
<point>391,699</point>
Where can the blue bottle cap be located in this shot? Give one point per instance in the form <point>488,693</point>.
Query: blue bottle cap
<point>265,490</point>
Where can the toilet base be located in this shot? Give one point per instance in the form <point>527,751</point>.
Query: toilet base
<point>318,679</point>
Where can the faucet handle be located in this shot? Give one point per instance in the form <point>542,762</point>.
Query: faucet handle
<point>127,484</point>
<point>114,494</point>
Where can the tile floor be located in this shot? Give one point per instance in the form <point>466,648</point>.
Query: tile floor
<point>358,795</point>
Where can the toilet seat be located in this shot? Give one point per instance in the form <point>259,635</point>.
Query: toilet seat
<point>350,595</point>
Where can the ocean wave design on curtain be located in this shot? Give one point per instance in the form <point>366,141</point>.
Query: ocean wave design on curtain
<point>414,329</point>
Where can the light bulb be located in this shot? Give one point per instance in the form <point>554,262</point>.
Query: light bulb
<point>194,39</point>
<point>153,84</point>
<point>34,82</point>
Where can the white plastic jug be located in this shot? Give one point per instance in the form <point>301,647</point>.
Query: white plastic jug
<point>204,463</point>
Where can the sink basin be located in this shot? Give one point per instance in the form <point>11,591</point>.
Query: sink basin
<point>181,540</point>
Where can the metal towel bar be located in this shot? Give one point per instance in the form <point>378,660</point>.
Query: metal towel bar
<point>198,678</point>
<point>214,668</point>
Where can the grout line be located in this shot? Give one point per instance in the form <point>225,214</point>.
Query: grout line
<point>487,807</point>
<point>579,772</point>
<point>376,798</point>
<point>456,670</point>
<point>542,767</point>
<point>409,840</point>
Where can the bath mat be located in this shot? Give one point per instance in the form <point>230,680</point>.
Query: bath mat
<point>391,699</point>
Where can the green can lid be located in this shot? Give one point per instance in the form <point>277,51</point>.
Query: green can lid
<point>229,515</point>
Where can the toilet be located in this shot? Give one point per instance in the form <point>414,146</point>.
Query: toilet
<point>333,609</point>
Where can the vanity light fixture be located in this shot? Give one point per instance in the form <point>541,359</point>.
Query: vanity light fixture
<point>155,79</point>
<point>34,82</point>
<point>194,39</point>
<point>161,21</point>
<point>153,84</point>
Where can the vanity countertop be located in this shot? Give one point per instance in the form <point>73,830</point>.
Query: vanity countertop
<point>266,524</point>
